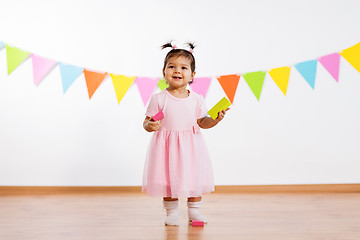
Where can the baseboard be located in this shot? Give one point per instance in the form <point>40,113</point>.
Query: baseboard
<point>305,188</point>
<point>8,190</point>
<point>223,189</point>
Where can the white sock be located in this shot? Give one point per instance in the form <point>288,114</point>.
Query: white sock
<point>172,218</point>
<point>194,213</point>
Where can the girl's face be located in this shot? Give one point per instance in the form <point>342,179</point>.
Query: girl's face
<point>178,73</point>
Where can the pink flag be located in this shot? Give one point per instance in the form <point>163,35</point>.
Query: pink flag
<point>41,67</point>
<point>146,87</point>
<point>201,85</point>
<point>331,64</point>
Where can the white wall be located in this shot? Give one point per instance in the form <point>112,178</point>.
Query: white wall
<point>309,136</point>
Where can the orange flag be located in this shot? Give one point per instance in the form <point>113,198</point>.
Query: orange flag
<point>229,83</point>
<point>93,80</point>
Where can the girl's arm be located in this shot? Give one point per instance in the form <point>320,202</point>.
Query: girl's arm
<point>208,122</point>
<point>151,126</point>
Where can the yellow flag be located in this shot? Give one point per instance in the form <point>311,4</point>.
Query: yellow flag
<point>121,85</point>
<point>352,55</point>
<point>281,77</point>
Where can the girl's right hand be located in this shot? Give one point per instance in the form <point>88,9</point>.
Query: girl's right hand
<point>154,125</point>
<point>151,125</point>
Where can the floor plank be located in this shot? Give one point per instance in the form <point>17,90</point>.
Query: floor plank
<point>137,216</point>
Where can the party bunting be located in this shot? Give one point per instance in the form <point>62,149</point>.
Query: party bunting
<point>15,56</point>
<point>41,67</point>
<point>281,77</point>
<point>93,80</point>
<point>121,85</point>
<point>331,63</point>
<point>146,87</point>
<point>69,73</point>
<point>352,55</point>
<point>162,84</point>
<point>201,85</point>
<point>255,80</point>
<point>229,84</point>
<point>308,70</point>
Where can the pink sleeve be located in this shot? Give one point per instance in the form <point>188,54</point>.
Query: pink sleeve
<point>202,109</point>
<point>153,107</point>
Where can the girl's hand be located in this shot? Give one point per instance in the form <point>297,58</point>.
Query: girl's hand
<point>209,122</point>
<point>150,125</point>
<point>221,115</point>
<point>154,125</point>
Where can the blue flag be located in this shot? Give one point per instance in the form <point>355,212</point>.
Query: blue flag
<point>308,71</point>
<point>69,73</point>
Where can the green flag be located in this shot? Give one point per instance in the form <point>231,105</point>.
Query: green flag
<point>162,84</point>
<point>15,56</point>
<point>255,80</point>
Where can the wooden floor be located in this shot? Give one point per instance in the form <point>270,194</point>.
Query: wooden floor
<point>136,216</point>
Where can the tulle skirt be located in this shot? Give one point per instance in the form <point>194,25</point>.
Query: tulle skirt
<point>177,165</point>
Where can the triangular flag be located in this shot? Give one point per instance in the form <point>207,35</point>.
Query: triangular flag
<point>69,73</point>
<point>229,83</point>
<point>146,87</point>
<point>281,77</point>
<point>255,80</point>
<point>352,55</point>
<point>308,70</point>
<point>93,80</point>
<point>2,45</point>
<point>121,85</point>
<point>15,56</point>
<point>331,64</point>
<point>41,67</point>
<point>162,84</point>
<point>201,85</point>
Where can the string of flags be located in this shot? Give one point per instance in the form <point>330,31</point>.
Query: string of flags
<point>146,86</point>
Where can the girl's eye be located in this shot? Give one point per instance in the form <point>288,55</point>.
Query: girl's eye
<point>184,68</point>
<point>171,66</point>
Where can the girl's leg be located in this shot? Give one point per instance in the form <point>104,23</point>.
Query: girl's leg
<point>194,204</point>
<point>171,207</point>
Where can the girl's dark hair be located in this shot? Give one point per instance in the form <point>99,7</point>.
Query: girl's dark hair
<point>179,53</point>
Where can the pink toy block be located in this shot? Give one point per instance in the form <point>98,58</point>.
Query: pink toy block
<point>158,116</point>
<point>197,223</point>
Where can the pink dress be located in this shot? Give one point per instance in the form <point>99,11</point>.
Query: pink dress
<point>178,163</point>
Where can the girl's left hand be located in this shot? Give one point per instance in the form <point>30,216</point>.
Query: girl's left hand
<point>222,114</point>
